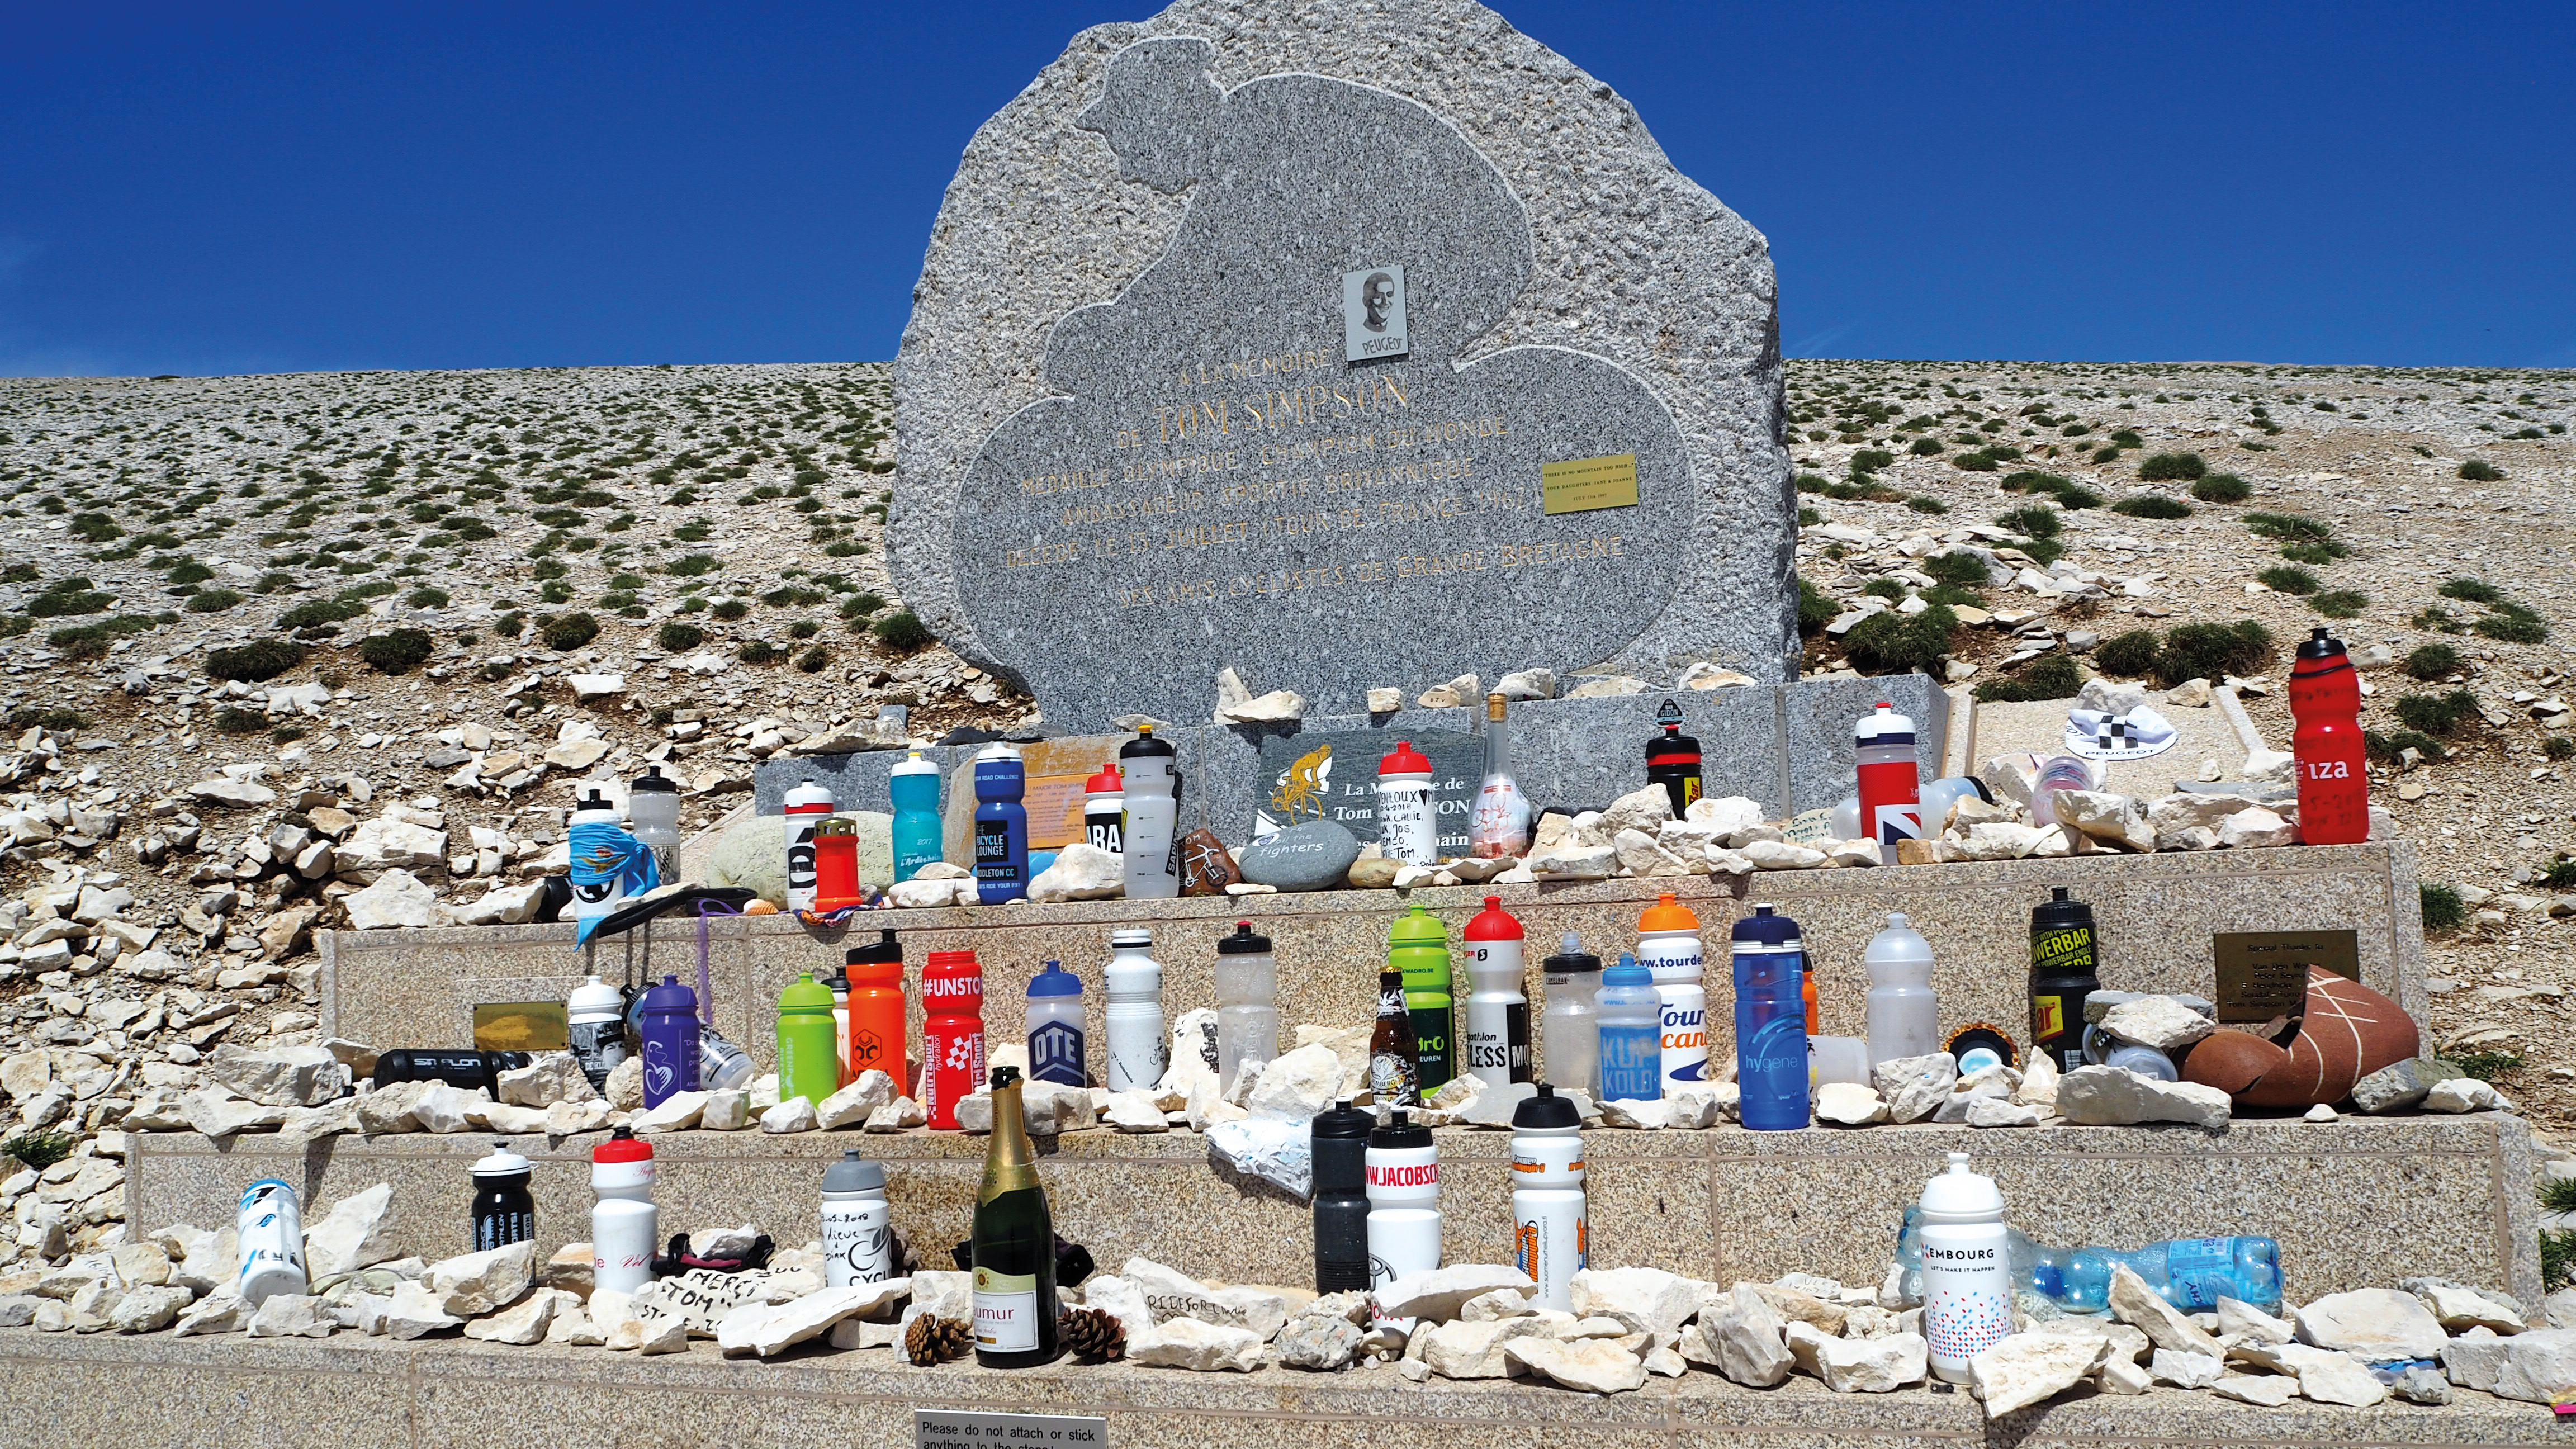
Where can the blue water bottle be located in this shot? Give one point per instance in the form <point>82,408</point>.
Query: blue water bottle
<point>1770,1021</point>
<point>1001,825</point>
<point>917,833</point>
<point>1632,1039</point>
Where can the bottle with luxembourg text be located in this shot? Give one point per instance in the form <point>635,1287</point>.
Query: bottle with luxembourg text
<point>1013,1244</point>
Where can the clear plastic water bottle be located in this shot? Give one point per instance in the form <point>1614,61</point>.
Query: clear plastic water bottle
<point>1631,1017</point>
<point>1247,1002</point>
<point>1056,1037</point>
<point>1153,813</point>
<point>1770,1021</point>
<point>1904,1017</point>
<point>653,816</point>
<point>1569,1028</point>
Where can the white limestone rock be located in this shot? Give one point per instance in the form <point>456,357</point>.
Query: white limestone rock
<point>525,1321</point>
<point>477,1283</point>
<point>1849,1104</point>
<point>2186,1370</point>
<point>2459,1307</point>
<point>851,1106</point>
<point>1859,1365</point>
<point>1438,1295</point>
<point>2375,1325</point>
<point>1464,1350</point>
<point>677,1112</point>
<point>1594,1365</point>
<point>356,1233</point>
<point>2246,1323</point>
<point>2141,1307</point>
<point>1915,1087</point>
<point>796,1114</point>
<point>2157,1021</point>
<point>2115,1096</point>
<point>1644,1300</point>
<point>1081,872</point>
<point>2269,1391</point>
<point>292,1315</point>
<point>2023,1369</point>
<point>1187,1343</point>
<point>765,1331</point>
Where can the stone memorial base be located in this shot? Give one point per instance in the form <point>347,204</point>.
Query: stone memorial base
<point>235,1393</point>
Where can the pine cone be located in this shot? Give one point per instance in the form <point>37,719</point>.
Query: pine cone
<point>1093,1335</point>
<point>936,1340</point>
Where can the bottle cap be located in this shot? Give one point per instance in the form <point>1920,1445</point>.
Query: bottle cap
<point>1107,782</point>
<point>1884,726</point>
<point>1343,1120</point>
<point>2058,913</point>
<point>1130,936</point>
<point>998,752</point>
<point>1983,1042</point>
<point>914,764</point>
<point>671,996</point>
<point>886,948</point>
<point>2321,645</point>
<point>1765,927</point>
<point>1627,973</point>
<point>1404,760</point>
<point>595,801</point>
<point>1399,1132</point>
<point>1960,1195</point>
<point>593,994</point>
<point>1493,706</point>
<point>808,798</point>
<point>1667,914</point>
<point>622,1146</point>
<point>1418,927</point>
<point>1493,923</point>
<point>1570,958</point>
<point>1145,745</point>
<point>854,1173</point>
<point>1243,942</point>
<point>1054,980</point>
<point>837,825</point>
<point>805,994</point>
<point>501,1163</point>
<point>839,981</point>
<point>653,781</point>
<point>1547,1109</point>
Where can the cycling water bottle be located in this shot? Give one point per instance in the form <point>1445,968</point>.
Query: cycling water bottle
<point>1001,825</point>
<point>1150,836</point>
<point>1770,1021</point>
<point>1967,1268</point>
<point>1056,1039</point>
<point>1339,1141</point>
<point>1890,786</point>
<point>1570,1027</point>
<point>1668,946</point>
<point>808,806</point>
<point>1418,946</point>
<point>952,1034</point>
<point>1631,1016</point>
<point>624,1224</point>
<point>1551,1238</point>
<point>858,1223</point>
<point>671,1041</point>
<point>809,1058</point>
<point>914,784</point>
<point>877,1031</point>
<point>1403,1171</point>
<point>1133,1020</point>
<point>1498,1025</point>
<point>2325,700</point>
<point>1904,1018</point>
<point>1406,830</point>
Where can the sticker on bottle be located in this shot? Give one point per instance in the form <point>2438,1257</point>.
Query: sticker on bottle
<point>1006,1311</point>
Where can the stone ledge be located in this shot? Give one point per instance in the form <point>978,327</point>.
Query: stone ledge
<point>432,1393</point>
<point>2359,1203</point>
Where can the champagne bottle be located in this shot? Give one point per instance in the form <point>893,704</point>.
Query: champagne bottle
<point>1014,1243</point>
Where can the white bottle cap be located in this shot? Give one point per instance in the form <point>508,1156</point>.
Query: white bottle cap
<point>1961,1196</point>
<point>501,1163</point>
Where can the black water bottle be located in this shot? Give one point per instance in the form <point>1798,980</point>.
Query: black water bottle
<point>505,1212</point>
<point>2064,969</point>
<point>1341,1199</point>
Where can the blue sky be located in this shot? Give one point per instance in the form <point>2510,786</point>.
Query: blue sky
<point>281,187</point>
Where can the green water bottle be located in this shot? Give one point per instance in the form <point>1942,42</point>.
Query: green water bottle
<point>809,1058</point>
<point>1419,947</point>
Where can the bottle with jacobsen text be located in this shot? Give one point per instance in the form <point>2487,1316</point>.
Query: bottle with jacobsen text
<point>1014,1243</point>
<point>1403,1170</point>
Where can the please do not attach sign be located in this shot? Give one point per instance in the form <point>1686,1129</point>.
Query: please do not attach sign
<point>949,1428</point>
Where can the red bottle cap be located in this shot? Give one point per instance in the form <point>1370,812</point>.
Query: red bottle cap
<point>1405,760</point>
<point>1107,782</point>
<point>1493,923</point>
<point>623,1146</point>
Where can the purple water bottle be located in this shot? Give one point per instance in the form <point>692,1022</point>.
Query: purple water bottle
<point>1770,1021</point>
<point>670,1041</point>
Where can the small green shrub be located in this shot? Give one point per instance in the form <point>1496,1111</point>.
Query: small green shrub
<point>1813,483</point>
<point>2485,1066</point>
<point>58,719</point>
<point>2173,468</point>
<point>1816,608</point>
<point>1980,462</point>
<point>1922,504</point>
<point>510,625</point>
<point>397,652</point>
<point>2042,551</point>
<point>2212,651</point>
<point>2035,483</point>
<point>314,612</point>
<point>2038,520</point>
<point>2433,661</point>
<point>2073,497</point>
<point>760,651</point>
<point>1884,588</point>
<point>2436,714</point>
<point>569,632</point>
<point>2513,624</point>
<point>2442,906</point>
<point>813,659</point>
<point>678,638</point>
<point>67,599</point>
<point>2479,470</point>
<point>2558,747</point>
<point>1953,594</point>
<point>426,597</point>
<point>2438,620</point>
<point>2152,505</point>
<point>2385,748</point>
<point>903,632</point>
<point>2340,603</point>
<point>191,572</point>
<point>1892,643</point>
<point>255,661</point>
<point>2290,579</point>
<point>2298,530</point>
<point>2473,591</point>
<point>232,719</point>
<point>2133,655</point>
<point>694,565</point>
<point>1925,447</point>
<point>2222,488</point>
<point>1870,460</point>
<point>2054,677</point>
<point>40,1150</point>
<point>2559,874</point>
<point>1959,567</point>
<point>212,601</point>
<point>730,609</point>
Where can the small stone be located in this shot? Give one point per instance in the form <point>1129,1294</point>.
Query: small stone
<point>2458,1307</point>
<point>1081,872</point>
<point>2123,1376</point>
<point>766,1331</point>
<point>1385,699</point>
<point>2465,1094</point>
<point>2246,1323</point>
<point>2114,1096</point>
<point>356,1233</point>
<point>2400,1086</point>
<point>1644,1300</point>
<point>2375,1325</point>
<point>2186,1370</point>
<point>1187,1343</point>
<point>523,1322</point>
<point>215,1313</point>
<point>2422,1384</point>
<point>1781,855</point>
<point>2157,1021</point>
<point>2136,1304</point>
<point>1859,1365</point>
<point>1915,1087</point>
<point>900,1115</point>
<point>1527,684</point>
<point>148,1308</point>
<point>1849,1104</point>
<point>1742,1336</point>
<point>2023,1369</point>
<point>1593,1365</point>
<point>678,1111</point>
<point>478,1283</point>
<point>1473,1350</point>
<point>1314,856</point>
<point>1319,1342</point>
<point>2255,827</point>
<point>1998,1112</point>
<point>796,1114</point>
<point>292,1315</point>
<point>1440,1294</point>
<point>726,1111</point>
<point>2320,1115</point>
<point>2270,1391</point>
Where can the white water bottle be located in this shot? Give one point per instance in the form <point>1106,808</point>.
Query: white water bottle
<point>1498,1025</point>
<point>595,1027</point>
<point>270,1229</point>
<point>1967,1268</point>
<point>1139,1053</point>
<point>858,1223</point>
<point>1668,946</point>
<point>1406,830</point>
<point>600,900</point>
<point>624,1225</point>
<point>1904,1017</point>
<point>1551,1241</point>
<point>808,805</point>
<point>1402,1172</point>
<point>1148,839</point>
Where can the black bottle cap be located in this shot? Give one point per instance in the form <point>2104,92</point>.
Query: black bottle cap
<point>2058,913</point>
<point>1343,1120</point>
<point>653,781</point>
<point>1571,962</point>
<point>1242,942</point>
<point>1004,1076</point>
<point>1547,1109</point>
<point>2321,645</point>
<point>1398,1132</point>
<point>1146,744</point>
<point>885,949</point>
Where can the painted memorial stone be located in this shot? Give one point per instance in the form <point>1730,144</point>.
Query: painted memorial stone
<point>1311,856</point>
<point>1315,433</point>
<point>1333,776</point>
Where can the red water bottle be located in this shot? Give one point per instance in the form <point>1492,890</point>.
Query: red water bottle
<point>952,1034</point>
<point>1891,807</point>
<point>2325,699</point>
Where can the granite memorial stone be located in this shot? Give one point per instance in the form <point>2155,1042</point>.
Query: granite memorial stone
<point>1237,346</point>
<point>1332,775</point>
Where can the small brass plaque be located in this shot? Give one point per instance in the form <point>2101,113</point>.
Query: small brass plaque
<point>521,1026</point>
<point>1580,485</point>
<point>2264,974</point>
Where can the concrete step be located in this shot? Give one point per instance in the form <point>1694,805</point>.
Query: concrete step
<point>70,1392</point>
<point>2354,1204</point>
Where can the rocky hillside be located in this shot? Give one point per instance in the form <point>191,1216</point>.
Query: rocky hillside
<point>284,650</point>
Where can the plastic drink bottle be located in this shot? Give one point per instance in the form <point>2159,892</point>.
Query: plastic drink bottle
<point>1631,1017</point>
<point>1502,822</point>
<point>2064,970</point>
<point>625,1227</point>
<point>595,900</point>
<point>1891,806</point>
<point>807,806</point>
<point>1668,946</point>
<point>671,1041</point>
<point>952,1034</point>
<point>1406,830</point>
<point>2325,700</point>
<point>877,1031</point>
<point>270,1229</point>
<point>1395,1067</point>
<point>1104,810</point>
<point>1151,840</point>
<point>1770,1022</point>
<point>2192,1274</point>
<point>1056,1038</point>
<point>595,1028</point>
<point>1672,760</point>
<point>1139,1052</point>
<point>836,865</point>
<point>1403,1170</point>
<point>1943,795</point>
<point>1570,1026</point>
<point>858,1223</point>
<point>1418,946</point>
<point>1001,825</point>
<point>1904,1019</point>
<point>1967,1268</point>
<point>2059,772</point>
<point>1551,1238</point>
<point>809,1059</point>
<point>1498,1024</point>
<point>914,784</point>
<point>504,1210</point>
<point>839,985</point>
<point>1339,1142</point>
<point>1247,1002</point>
<point>653,817</point>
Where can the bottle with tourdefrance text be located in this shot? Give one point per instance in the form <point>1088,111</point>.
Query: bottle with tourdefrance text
<point>1668,946</point>
<point>1014,1243</point>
